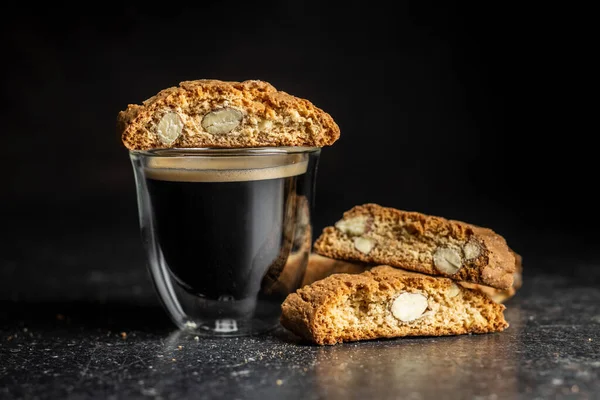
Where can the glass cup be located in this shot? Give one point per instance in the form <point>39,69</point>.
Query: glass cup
<point>227,232</point>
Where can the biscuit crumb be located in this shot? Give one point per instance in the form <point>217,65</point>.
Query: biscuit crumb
<point>124,335</point>
<point>190,325</point>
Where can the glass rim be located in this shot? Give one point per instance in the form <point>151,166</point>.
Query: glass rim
<point>224,151</point>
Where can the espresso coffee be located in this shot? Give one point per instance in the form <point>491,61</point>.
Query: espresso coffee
<point>220,231</point>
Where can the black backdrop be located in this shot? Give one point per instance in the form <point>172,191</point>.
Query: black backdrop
<point>444,110</point>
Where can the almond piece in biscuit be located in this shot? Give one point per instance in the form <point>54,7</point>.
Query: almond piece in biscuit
<point>385,303</point>
<point>422,243</point>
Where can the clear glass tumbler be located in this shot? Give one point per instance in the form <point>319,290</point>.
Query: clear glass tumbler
<point>227,232</point>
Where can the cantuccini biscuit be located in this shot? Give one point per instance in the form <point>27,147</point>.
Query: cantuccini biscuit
<point>213,113</point>
<point>413,241</point>
<point>287,277</point>
<point>385,303</point>
<point>320,267</point>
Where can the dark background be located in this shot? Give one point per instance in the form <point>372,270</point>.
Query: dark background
<point>451,111</point>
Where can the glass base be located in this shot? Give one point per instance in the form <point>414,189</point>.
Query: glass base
<point>229,327</point>
<point>225,317</point>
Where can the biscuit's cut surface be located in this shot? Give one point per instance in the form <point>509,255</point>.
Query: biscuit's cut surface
<point>413,241</point>
<point>320,267</point>
<point>386,303</point>
<point>213,113</point>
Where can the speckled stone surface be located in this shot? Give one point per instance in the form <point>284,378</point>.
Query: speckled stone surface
<point>79,319</point>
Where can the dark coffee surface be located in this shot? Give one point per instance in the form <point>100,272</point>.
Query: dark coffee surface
<point>219,238</point>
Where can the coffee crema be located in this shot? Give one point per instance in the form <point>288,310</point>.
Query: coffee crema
<point>226,174</point>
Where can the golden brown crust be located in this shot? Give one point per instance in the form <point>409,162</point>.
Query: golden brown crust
<point>501,295</point>
<point>409,240</point>
<point>497,295</point>
<point>347,307</point>
<point>518,276</point>
<point>270,117</point>
<point>320,267</point>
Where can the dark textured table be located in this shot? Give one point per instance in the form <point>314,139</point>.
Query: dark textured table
<point>79,319</point>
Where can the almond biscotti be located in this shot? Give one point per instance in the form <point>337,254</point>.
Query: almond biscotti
<point>413,241</point>
<point>386,303</point>
<point>320,267</point>
<point>213,113</point>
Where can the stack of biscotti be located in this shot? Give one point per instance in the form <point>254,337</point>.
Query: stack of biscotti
<point>380,272</point>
